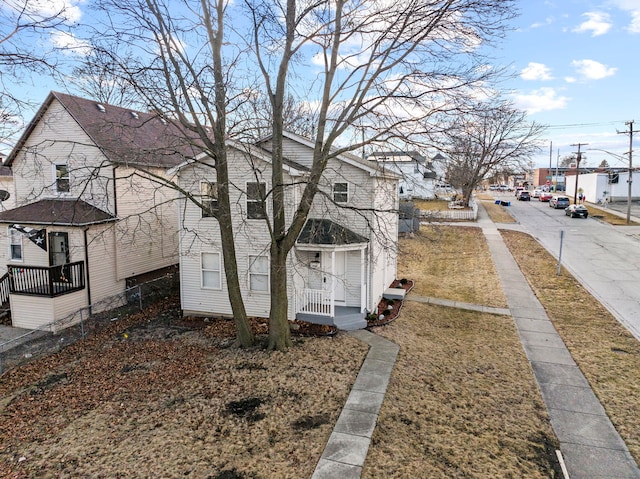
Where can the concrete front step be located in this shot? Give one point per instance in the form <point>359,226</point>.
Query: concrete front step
<point>394,293</point>
<point>351,325</point>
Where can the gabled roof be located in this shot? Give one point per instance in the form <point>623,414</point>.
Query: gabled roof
<point>68,212</point>
<point>124,135</point>
<point>291,167</point>
<point>327,232</point>
<point>346,157</point>
<point>410,155</point>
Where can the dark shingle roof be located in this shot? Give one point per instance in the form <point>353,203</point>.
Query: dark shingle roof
<point>124,135</point>
<point>326,232</point>
<point>71,212</point>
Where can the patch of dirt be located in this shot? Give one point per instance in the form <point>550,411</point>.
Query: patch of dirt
<point>389,309</point>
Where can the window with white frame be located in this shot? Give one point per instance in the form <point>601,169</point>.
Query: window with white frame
<point>210,268</point>
<point>62,178</point>
<point>15,245</point>
<point>259,273</point>
<point>341,192</point>
<point>209,199</point>
<point>256,193</point>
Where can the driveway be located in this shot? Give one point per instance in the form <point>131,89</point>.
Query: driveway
<point>604,258</point>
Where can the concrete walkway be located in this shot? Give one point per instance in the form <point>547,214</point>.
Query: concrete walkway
<point>591,446</point>
<point>346,450</point>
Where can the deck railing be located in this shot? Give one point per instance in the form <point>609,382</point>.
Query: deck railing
<point>314,301</point>
<point>47,281</point>
<point>4,289</point>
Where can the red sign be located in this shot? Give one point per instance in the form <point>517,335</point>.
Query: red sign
<point>548,182</point>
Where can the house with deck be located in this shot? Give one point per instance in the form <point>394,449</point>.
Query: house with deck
<point>90,211</point>
<point>343,261</point>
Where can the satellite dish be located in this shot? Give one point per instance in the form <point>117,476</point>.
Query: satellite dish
<point>4,195</point>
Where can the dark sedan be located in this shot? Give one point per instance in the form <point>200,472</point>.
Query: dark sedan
<point>576,211</point>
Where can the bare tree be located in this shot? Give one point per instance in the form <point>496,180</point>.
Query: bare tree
<point>493,138</point>
<point>371,72</point>
<point>23,27</point>
<point>99,77</point>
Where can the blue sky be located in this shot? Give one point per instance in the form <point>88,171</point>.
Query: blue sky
<point>576,69</point>
<point>573,66</point>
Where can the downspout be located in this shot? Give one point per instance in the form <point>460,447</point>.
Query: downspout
<point>115,193</point>
<point>86,260</point>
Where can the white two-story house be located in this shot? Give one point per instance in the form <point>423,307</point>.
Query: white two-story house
<point>418,178</point>
<point>343,260</point>
<point>89,212</point>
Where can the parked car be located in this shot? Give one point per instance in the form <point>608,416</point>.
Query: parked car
<point>576,211</point>
<point>524,196</point>
<point>536,192</point>
<point>545,196</point>
<point>559,202</point>
<point>518,190</point>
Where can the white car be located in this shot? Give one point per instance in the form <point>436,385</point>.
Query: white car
<point>536,192</point>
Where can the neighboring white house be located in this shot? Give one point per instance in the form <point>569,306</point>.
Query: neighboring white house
<point>418,176</point>
<point>344,258</point>
<point>612,185</point>
<point>87,214</point>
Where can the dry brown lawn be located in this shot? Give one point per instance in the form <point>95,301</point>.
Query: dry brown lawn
<point>609,217</point>
<point>431,205</point>
<point>451,262</point>
<point>497,213</point>
<point>461,403</point>
<point>170,402</point>
<point>607,354</point>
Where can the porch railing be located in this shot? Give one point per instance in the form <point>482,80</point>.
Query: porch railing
<point>47,281</point>
<point>4,289</point>
<point>315,301</point>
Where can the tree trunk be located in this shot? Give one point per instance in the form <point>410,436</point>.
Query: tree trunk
<point>279,330</point>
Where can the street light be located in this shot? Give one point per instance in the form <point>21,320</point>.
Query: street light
<point>621,157</point>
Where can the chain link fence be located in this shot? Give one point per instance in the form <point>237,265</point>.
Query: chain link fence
<point>84,322</point>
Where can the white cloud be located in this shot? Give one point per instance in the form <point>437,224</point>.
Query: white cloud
<point>70,44</point>
<point>598,23</point>
<point>633,7</point>
<point>547,21</point>
<point>536,71</point>
<point>543,99</point>
<point>67,10</point>
<point>634,26</point>
<point>593,70</point>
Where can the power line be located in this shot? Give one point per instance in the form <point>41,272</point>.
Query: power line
<point>581,125</point>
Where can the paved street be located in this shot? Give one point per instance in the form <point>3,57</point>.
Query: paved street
<point>604,258</point>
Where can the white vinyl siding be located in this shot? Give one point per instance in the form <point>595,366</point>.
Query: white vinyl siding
<point>210,271</point>
<point>259,273</point>
<point>149,224</point>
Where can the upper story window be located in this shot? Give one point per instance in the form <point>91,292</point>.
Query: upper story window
<point>259,273</point>
<point>62,178</point>
<point>209,199</point>
<point>15,245</point>
<point>256,193</point>
<point>341,192</point>
<point>210,270</point>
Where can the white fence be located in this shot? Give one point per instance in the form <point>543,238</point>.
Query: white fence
<point>451,214</point>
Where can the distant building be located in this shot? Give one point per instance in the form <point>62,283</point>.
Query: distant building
<point>419,178</point>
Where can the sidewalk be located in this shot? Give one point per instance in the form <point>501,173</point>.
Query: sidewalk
<point>589,443</point>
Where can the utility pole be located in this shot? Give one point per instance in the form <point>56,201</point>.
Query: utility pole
<point>629,191</point>
<point>578,158</point>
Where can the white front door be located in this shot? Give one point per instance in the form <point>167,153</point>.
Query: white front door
<point>338,277</point>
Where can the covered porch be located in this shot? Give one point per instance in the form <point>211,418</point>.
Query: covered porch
<point>331,286</point>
